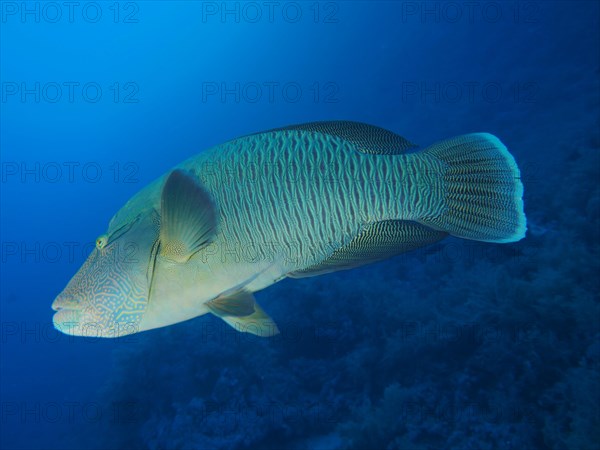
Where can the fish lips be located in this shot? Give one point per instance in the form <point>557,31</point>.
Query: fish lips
<point>67,320</point>
<point>68,316</point>
<point>64,301</point>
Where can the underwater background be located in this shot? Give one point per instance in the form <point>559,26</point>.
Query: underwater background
<point>461,345</point>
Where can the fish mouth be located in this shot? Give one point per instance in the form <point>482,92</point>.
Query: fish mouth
<point>58,308</point>
<point>68,315</point>
<point>67,320</point>
<point>63,315</point>
<point>73,319</point>
<point>62,303</point>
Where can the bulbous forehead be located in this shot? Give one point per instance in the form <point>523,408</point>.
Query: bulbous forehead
<point>143,204</point>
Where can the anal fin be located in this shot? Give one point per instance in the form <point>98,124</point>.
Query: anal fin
<point>375,242</point>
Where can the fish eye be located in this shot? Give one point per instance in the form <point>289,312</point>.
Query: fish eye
<point>101,242</point>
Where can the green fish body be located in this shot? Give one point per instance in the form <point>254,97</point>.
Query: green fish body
<point>292,202</point>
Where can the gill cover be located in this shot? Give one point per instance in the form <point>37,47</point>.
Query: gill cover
<point>188,222</point>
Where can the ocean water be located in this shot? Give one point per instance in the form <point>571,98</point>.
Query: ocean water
<point>461,345</point>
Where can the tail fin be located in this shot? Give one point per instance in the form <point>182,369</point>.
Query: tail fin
<point>483,190</point>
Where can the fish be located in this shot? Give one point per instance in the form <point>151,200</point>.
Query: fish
<point>292,202</point>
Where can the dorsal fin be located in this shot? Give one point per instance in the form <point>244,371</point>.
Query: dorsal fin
<point>366,138</point>
<point>375,242</point>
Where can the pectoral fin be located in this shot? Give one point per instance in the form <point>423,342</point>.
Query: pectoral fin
<point>188,219</point>
<point>241,311</point>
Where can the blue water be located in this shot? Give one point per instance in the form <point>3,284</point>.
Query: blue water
<point>462,345</point>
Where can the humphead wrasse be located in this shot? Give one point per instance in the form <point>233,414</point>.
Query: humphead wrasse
<point>292,202</point>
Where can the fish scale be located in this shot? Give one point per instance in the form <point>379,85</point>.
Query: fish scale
<point>304,208</point>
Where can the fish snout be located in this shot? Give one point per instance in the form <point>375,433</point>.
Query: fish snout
<point>66,302</point>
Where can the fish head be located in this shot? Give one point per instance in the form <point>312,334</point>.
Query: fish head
<point>109,294</point>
